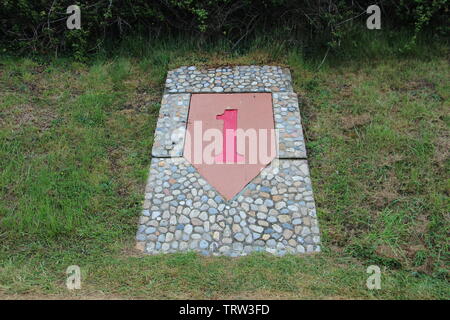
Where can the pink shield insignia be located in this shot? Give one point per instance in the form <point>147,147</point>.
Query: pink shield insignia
<point>230,138</point>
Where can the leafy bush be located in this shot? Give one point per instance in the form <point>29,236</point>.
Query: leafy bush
<point>40,25</point>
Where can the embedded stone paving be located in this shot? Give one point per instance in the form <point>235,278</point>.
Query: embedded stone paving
<point>229,79</point>
<point>275,212</point>
<point>169,134</point>
<point>287,121</point>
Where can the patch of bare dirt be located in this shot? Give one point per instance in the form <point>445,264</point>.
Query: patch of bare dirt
<point>25,115</point>
<point>442,150</point>
<point>427,267</point>
<point>345,90</point>
<point>386,252</point>
<point>80,295</point>
<point>412,250</point>
<point>420,84</point>
<point>383,197</point>
<point>136,251</point>
<point>421,226</point>
<point>391,158</point>
<point>387,193</point>
<point>352,121</point>
<point>418,87</point>
<point>68,296</point>
<point>141,102</point>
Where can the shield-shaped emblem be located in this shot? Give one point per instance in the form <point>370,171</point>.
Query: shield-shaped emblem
<point>230,138</point>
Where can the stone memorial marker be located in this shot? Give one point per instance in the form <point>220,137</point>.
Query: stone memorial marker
<point>229,173</point>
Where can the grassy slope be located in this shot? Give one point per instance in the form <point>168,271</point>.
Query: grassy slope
<point>75,141</point>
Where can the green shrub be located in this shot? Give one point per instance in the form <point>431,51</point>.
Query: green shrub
<point>40,25</point>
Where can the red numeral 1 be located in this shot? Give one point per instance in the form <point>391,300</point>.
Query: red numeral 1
<point>229,153</point>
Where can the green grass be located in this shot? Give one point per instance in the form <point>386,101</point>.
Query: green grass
<point>75,141</point>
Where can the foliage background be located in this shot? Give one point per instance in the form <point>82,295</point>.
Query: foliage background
<point>40,25</point>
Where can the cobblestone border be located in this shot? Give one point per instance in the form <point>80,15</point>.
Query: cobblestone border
<point>229,79</point>
<point>288,124</point>
<point>174,113</point>
<point>172,120</point>
<point>275,212</point>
